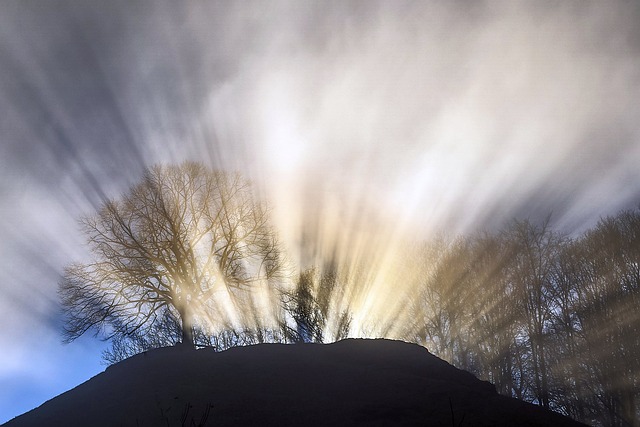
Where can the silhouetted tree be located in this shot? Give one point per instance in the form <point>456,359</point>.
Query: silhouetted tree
<point>165,331</point>
<point>546,318</point>
<point>536,249</point>
<point>171,244</point>
<point>308,305</point>
<point>301,304</point>
<point>608,298</point>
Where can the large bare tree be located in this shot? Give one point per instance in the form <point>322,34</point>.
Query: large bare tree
<point>171,244</point>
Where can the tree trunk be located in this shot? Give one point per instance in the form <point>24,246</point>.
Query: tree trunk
<point>187,336</point>
<point>544,378</point>
<point>187,329</point>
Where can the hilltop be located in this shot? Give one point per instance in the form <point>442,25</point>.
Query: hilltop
<point>352,382</point>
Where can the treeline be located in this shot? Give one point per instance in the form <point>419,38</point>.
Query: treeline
<point>546,318</point>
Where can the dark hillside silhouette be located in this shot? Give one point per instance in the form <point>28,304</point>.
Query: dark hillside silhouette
<point>348,383</point>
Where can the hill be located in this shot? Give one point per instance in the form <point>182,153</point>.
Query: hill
<point>348,383</point>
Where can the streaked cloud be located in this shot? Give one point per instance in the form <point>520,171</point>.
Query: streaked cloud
<point>403,118</point>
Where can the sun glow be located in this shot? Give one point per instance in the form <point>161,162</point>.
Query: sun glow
<point>371,129</point>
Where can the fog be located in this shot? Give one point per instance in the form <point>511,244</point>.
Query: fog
<point>365,124</point>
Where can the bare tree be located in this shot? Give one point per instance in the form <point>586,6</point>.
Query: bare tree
<point>165,331</point>
<point>181,237</point>
<point>552,319</point>
<point>312,318</point>
<point>607,300</point>
<point>536,250</point>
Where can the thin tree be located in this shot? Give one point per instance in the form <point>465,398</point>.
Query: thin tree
<point>308,304</point>
<point>174,242</point>
<point>536,249</point>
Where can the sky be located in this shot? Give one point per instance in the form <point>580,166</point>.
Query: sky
<point>360,121</point>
